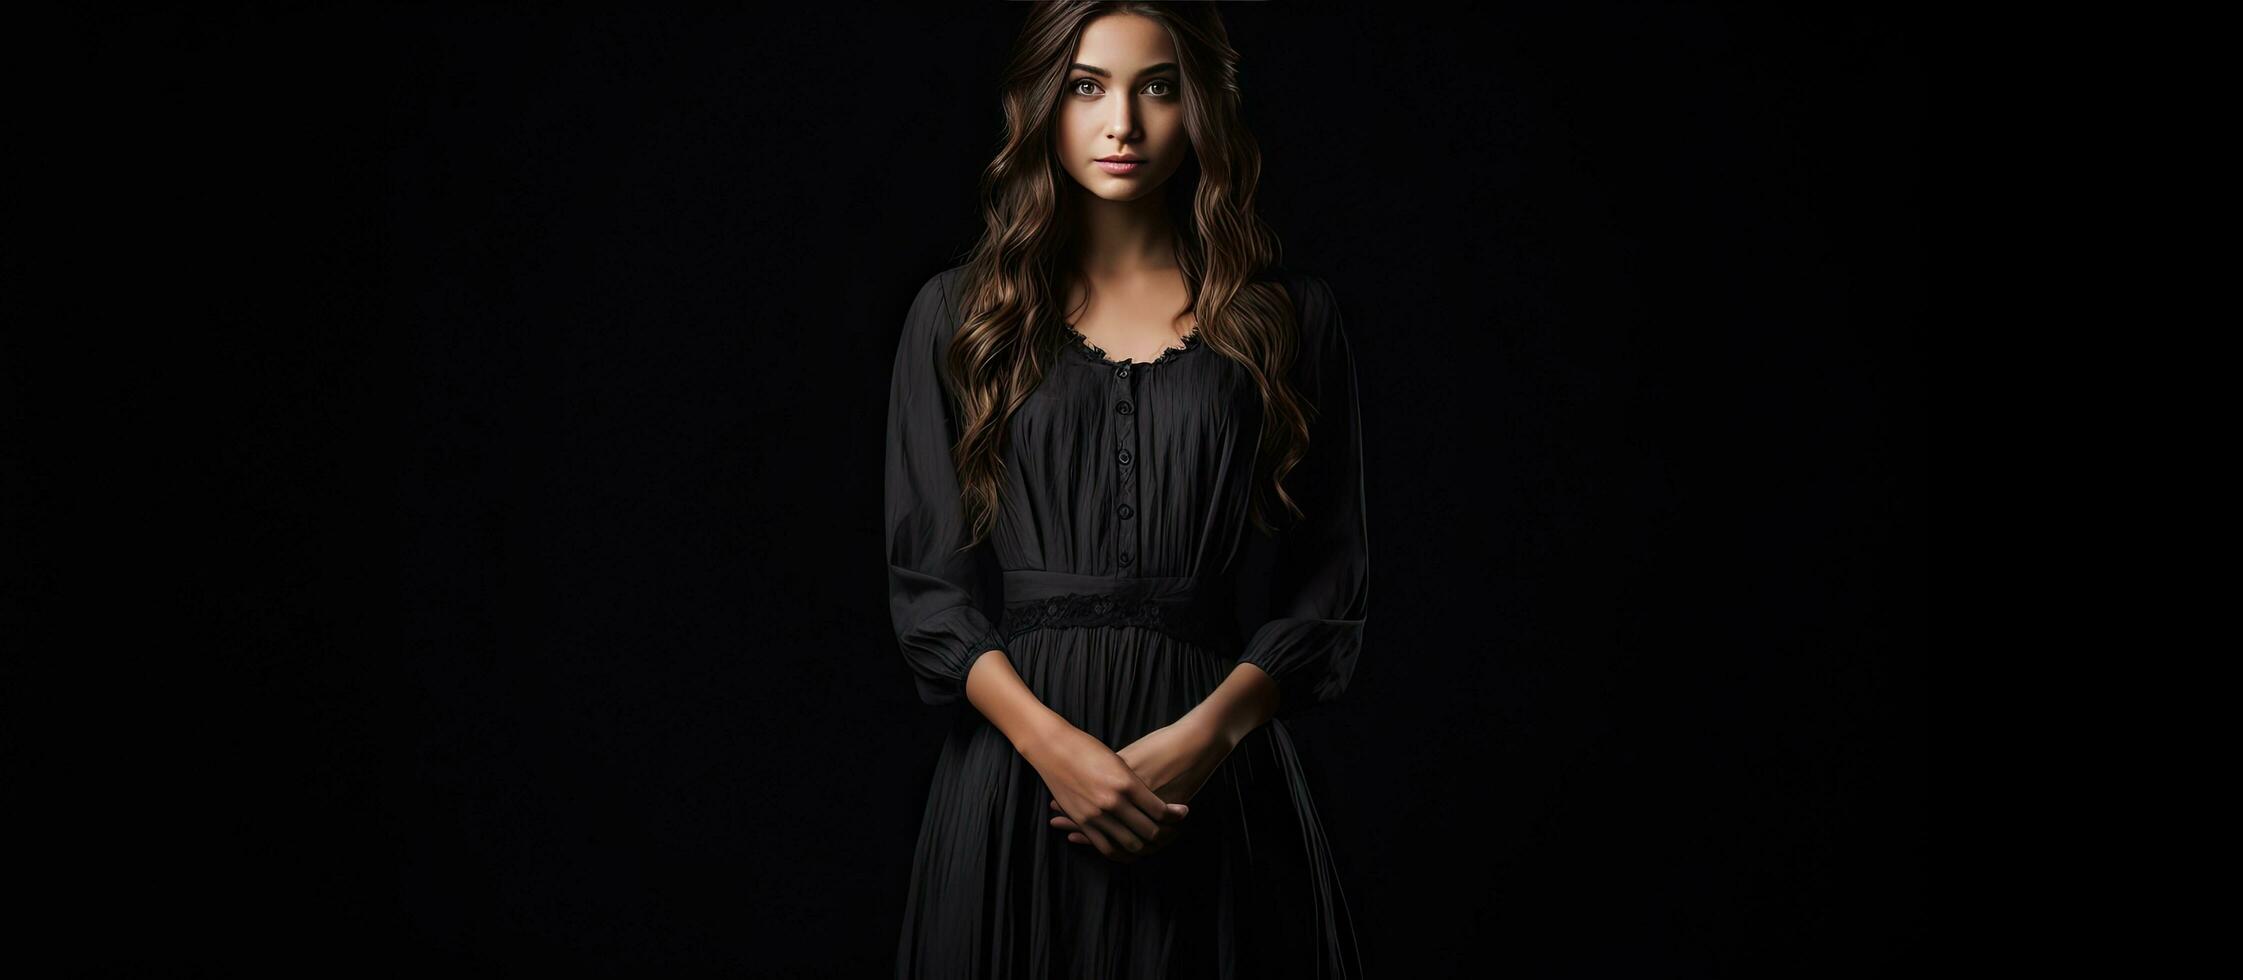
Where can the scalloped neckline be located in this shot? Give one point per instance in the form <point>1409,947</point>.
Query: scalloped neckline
<point>1083,346</point>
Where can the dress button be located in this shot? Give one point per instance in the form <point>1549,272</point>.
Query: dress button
<point>1124,408</point>
<point>1122,371</point>
<point>1125,558</point>
<point>1126,512</point>
<point>1123,456</point>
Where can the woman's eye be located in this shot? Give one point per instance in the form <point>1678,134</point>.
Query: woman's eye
<point>1168,90</point>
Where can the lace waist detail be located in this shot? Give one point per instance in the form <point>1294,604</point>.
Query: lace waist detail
<point>1199,612</point>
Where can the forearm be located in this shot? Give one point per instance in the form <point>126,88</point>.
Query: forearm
<point>997,691</point>
<point>1243,702</point>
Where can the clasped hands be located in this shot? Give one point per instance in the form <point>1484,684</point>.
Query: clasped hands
<point>1128,803</point>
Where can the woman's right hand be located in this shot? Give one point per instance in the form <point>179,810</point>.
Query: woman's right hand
<point>1121,815</point>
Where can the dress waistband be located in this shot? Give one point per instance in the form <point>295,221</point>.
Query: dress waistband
<point>1192,609</point>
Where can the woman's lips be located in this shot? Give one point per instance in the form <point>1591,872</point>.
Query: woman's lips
<point>1120,167</point>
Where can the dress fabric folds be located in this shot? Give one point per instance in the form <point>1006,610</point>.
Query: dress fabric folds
<point>1124,581</point>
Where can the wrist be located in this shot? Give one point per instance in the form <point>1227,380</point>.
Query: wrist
<point>1207,724</point>
<point>1038,730</point>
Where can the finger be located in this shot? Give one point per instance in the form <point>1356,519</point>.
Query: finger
<point>1099,840</point>
<point>1125,839</point>
<point>1063,823</point>
<point>1146,812</point>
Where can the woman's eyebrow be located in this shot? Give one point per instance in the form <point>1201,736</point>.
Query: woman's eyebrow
<point>1103,73</point>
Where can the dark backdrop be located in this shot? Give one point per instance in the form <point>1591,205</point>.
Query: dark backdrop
<point>532,617</point>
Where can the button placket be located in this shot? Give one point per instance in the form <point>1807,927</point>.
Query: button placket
<point>1125,462</point>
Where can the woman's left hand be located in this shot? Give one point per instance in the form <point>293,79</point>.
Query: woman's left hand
<point>1174,759</point>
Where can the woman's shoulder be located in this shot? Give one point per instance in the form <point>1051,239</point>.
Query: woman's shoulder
<point>935,302</point>
<point>1306,287</point>
<point>1314,307</point>
<point>943,286</point>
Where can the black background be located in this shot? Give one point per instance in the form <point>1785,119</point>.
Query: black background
<point>503,393</point>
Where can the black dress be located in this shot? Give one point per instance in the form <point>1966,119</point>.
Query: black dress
<point>1124,582</point>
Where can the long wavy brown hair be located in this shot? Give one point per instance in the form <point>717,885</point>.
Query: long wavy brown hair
<point>1016,273</point>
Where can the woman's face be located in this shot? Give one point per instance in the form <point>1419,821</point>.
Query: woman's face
<point>1123,98</point>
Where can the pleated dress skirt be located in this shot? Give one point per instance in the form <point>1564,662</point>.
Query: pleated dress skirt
<point>1248,889</point>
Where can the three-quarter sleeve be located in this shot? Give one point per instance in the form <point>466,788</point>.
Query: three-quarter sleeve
<point>1311,632</point>
<point>936,591</point>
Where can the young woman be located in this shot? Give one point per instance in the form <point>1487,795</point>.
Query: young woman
<point>1125,522</point>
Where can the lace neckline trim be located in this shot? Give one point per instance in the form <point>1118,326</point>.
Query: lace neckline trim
<point>1083,346</point>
